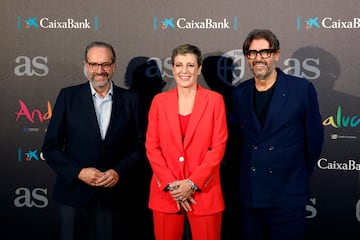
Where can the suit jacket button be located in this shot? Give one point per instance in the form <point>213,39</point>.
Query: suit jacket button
<point>181,159</point>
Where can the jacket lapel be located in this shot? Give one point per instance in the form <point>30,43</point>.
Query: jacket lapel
<point>278,99</point>
<point>117,102</point>
<point>88,107</point>
<point>172,115</point>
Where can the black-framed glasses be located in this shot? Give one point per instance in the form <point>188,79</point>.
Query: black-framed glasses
<point>264,53</point>
<point>105,65</point>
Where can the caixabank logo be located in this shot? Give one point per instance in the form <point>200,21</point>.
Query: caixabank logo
<point>185,23</point>
<point>28,155</point>
<point>48,23</point>
<point>330,23</point>
<point>344,165</point>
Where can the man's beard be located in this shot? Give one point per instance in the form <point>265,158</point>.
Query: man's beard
<point>102,83</point>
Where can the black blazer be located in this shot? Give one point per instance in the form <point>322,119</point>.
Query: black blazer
<point>73,141</point>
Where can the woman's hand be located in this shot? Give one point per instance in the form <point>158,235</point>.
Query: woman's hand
<point>182,193</point>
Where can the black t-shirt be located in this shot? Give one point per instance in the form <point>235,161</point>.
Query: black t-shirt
<point>262,101</point>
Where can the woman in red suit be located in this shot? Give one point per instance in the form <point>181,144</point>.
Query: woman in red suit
<point>185,143</point>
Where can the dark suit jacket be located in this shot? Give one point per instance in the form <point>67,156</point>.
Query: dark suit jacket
<point>277,160</point>
<point>73,141</point>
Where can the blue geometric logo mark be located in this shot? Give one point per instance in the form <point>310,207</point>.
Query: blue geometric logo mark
<point>31,22</point>
<point>30,155</point>
<point>309,23</point>
<point>312,22</point>
<point>167,22</point>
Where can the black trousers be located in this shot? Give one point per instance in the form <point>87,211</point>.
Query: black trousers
<point>275,223</point>
<point>92,223</point>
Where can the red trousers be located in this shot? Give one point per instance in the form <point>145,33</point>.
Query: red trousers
<point>170,226</point>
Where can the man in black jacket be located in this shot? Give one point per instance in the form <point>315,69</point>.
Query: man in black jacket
<point>94,144</point>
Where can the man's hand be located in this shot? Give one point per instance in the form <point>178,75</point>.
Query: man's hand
<point>108,179</point>
<point>96,178</point>
<point>90,175</point>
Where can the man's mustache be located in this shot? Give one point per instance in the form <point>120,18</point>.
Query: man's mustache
<point>102,74</point>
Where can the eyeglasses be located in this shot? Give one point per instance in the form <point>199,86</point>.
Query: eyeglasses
<point>264,53</point>
<point>105,65</point>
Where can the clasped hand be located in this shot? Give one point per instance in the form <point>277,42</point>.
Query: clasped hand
<point>97,178</point>
<point>182,194</point>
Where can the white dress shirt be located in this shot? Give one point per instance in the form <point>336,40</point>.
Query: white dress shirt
<point>103,106</point>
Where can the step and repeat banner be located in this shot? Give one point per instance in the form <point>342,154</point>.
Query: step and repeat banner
<point>42,50</point>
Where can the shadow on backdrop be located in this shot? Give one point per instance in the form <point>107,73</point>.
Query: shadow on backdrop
<point>329,71</point>
<point>218,74</point>
<point>143,77</point>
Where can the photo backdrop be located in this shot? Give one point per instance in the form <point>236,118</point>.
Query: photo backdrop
<point>42,50</point>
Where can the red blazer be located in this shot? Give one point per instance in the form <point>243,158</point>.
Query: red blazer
<point>198,157</point>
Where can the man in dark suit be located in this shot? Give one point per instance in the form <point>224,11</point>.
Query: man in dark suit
<point>278,129</point>
<point>94,143</point>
